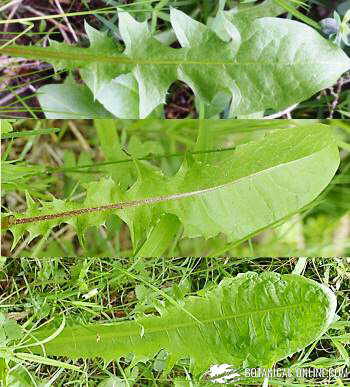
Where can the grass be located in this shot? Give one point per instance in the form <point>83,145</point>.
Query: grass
<point>105,289</point>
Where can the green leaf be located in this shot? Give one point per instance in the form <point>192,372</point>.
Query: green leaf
<point>114,381</point>
<point>138,148</point>
<point>112,149</point>
<point>18,176</point>
<point>5,127</point>
<point>117,93</point>
<point>70,100</point>
<point>256,63</point>
<point>120,96</point>
<point>20,377</point>
<point>251,320</point>
<point>241,192</point>
<point>278,68</point>
<point>9,329</point>
<point>236,193</point>
<point>161,236</point>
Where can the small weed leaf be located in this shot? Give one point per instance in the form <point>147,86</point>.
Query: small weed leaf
<point>236,193</point>
<point>250,320</point>
<point>251,64</point>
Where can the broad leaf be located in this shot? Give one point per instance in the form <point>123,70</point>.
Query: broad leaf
<point>248,321</point>
<point>242,192</point>
<point>279,64</point>
<point>70,100</point>
<point>236,193</point>
<point>256,64</point>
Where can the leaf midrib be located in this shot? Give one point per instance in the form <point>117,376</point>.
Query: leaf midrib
<point>39,52</point>
<point>137,323</point>
<point>156,199</point>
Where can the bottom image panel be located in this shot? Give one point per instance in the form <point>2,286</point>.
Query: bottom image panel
<point>174,322</point>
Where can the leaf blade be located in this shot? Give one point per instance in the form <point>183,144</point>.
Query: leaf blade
<point>237,193</point>
<point>257,70</point>
<point>236,318</point>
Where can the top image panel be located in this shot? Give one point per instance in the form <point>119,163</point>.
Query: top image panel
<point>175,59</point>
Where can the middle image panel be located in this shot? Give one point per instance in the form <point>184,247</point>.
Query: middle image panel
<point>174,188</point>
